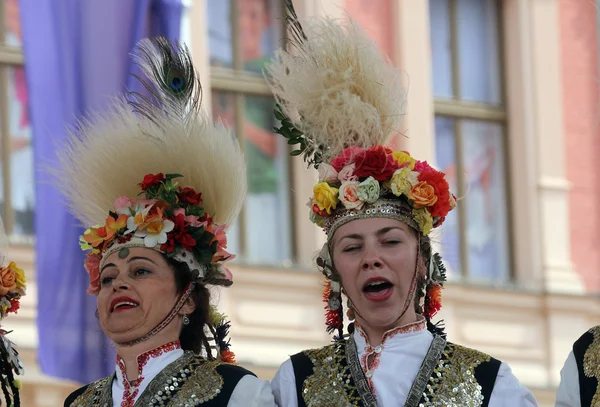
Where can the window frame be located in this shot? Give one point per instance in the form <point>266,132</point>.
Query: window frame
<point>9,57</point>
<point>240,83</point>
<point>458,110</point>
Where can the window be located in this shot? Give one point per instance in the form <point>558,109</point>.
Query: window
<point>16,152</point>
<point>470,127</point>
<point>242,37</point>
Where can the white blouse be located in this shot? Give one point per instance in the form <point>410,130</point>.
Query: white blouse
<point>249,392</point>
<point>393,367</point>
<point>568,392</point>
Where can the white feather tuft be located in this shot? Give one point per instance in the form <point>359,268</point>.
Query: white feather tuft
<point>109,155</point>
<point>337,88</point>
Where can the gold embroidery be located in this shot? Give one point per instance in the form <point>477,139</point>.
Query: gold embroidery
<point>331,382</point>
<point>96,393</point>
<point>205,384</point>
<point>453,382</point>
<point>591,362</point>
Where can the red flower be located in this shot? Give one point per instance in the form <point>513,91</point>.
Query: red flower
<point>377,162</point>
<point>442,190</point>
<point>422,166</point>
<point>179,235</point>
<point>14,305</point>
<point>322,213</point>
<point>151,180</point>
<point>190,196</point>
<point>346,157</point>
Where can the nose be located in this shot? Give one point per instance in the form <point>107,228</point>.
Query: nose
<point>371,260</point>
<point>120,283</point>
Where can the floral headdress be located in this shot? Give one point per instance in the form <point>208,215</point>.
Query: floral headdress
<point>339,100</point>
<point>156,172</point>
<point>12,288</point>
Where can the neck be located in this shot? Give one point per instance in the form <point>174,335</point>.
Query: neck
<point>375,334</point>
<point>129,354</point>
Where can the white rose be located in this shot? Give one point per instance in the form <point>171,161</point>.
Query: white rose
<point>327,173</point>
<point>368,190</point>
<point>347,173</point>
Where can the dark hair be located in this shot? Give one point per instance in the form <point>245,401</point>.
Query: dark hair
<point>193,336</point>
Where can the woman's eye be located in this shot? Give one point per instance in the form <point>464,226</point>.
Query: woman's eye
<point>392,242</point>
<point>141,272</point>
<point>350,249</point>
<point>106,280</point>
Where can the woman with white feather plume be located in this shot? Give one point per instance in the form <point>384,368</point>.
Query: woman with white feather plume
<point>339,100</point>
<point>161,184</point>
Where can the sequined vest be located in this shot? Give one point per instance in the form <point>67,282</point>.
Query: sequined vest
<point>450,375</point>
<point>188,381</point>
<point>587,355</point>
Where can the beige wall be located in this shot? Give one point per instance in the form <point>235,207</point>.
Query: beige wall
<point>277,312</point>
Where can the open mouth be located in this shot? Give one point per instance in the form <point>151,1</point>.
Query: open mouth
<point>377,286</point>
<point>378,289</point>
<point>121,304</point>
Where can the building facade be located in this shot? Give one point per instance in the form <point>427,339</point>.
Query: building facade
<point>503,97</point>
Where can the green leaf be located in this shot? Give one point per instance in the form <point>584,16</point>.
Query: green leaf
<point>296,153</point>
<point>279,115</point>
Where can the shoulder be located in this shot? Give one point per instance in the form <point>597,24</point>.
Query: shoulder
<point>232,371</point>
<point>73,396</point>
<point>83,395</point>
<point>585,340</point>
<point>468,355</point>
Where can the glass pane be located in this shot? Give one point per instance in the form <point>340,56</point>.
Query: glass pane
<point>445,143</point>
<point>487,220</point>
<point>223,110</point>
<point>441,51</point>
<point>479,53</point>
<point>267,214</point>
<point>21,161</point>
<point>12,23</point>
<point>260,32</point>
<point>219,32</point>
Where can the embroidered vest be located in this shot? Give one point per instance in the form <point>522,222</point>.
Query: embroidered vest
<point>188,381</point>
<point>451,375</point>
<point>587,355</point>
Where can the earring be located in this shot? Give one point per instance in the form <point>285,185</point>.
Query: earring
<point>185,320</point>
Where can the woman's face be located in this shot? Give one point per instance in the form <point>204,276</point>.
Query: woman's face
<point>376,259</point>
<point>137,291</point>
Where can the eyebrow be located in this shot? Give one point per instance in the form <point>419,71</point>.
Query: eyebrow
<point>380,232</point>
<point>129,260</point>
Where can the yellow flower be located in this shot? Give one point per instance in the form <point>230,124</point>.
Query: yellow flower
<point>326,197</point>
<point>403,157</point>
<point>423,219</point>
<point>19,275</point>
<point>402,181</point>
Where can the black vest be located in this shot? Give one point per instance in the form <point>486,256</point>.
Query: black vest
<point>587,355</point>
<point>190,380</point>
<point>325,377</point>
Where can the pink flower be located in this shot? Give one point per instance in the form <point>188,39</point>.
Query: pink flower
<point>191,219</point>
<point>348,195</point>
<point>422,167</point>
<point>92,266</point>
<point>122,205</point>
<point>227,274</point>
<point>221,239</point>
<point>347,173</point>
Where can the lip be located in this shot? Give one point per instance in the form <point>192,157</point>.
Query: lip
<point>117,300</point>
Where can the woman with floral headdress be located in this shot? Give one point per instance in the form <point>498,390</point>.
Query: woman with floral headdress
<point>339,100</point>
<point>160,183</point>
<point>580,374</point>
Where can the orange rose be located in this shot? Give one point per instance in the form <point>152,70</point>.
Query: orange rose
<point>422,195</point>
<point>7,280</point>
